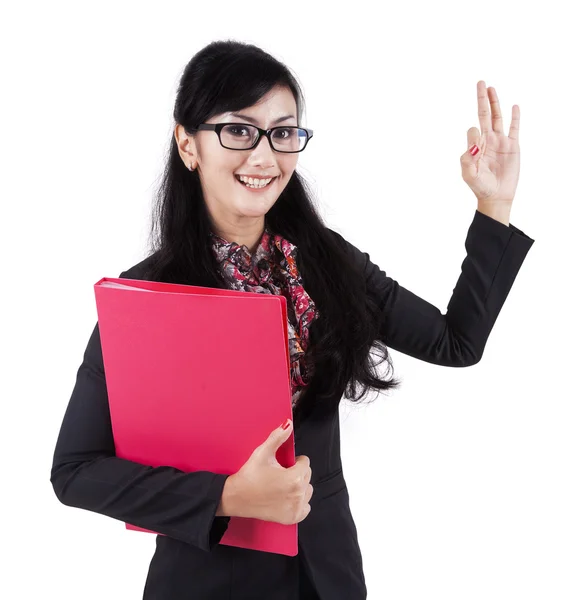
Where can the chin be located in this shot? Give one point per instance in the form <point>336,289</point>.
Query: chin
<point>255,209</point>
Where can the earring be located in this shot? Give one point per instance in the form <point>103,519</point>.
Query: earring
<point>191,167</point>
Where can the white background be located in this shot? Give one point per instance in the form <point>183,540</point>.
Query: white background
<point>480,493</point>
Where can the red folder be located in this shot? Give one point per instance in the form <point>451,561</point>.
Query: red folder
<point>196,379</point>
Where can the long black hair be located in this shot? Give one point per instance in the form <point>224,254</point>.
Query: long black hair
<point>230,76</point>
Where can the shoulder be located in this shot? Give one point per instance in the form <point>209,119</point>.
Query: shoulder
<point>359,259</point>
<point>349,248</point>
<point>138,270</point>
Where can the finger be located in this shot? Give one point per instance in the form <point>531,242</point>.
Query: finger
<point>303,459</point>
<point>483,107</point>
<point>514,127</point>
<point>496,119</point>
<point>300,463</point>
<point>473,137</point>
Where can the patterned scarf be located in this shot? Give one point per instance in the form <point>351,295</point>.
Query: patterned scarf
<point>273,270</point>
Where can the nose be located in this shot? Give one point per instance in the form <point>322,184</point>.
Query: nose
<point>262,145</point>
<point>262,151</point>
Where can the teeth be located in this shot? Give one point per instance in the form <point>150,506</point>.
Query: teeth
<point>254,182</point>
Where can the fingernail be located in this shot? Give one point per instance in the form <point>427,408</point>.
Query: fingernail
<point>285,424</point>
<point>473,149</point>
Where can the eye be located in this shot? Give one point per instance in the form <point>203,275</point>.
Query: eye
<point>237,130</point>
<point>283,133</point>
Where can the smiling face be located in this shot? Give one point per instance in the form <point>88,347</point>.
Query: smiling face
<point>235,209</point>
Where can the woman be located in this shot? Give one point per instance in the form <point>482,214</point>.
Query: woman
<point>234,213</point>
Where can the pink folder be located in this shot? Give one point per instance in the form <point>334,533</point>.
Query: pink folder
<point>197,378</point>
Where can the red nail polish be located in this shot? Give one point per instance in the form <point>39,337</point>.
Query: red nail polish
<point>285,424</point>
<point>474,149</point>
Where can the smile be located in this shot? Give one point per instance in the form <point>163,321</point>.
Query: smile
<point>253,183</point>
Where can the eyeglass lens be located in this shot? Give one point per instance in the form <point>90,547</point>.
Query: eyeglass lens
<point>285,139</point>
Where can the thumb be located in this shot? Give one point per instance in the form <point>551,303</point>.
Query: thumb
<point>473,139</point>
<point>277,438</point>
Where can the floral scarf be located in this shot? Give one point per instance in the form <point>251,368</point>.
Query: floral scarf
<point>273,270</point>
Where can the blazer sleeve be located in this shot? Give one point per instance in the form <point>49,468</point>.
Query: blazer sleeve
<point>409,324</point>
<point>86,473</point>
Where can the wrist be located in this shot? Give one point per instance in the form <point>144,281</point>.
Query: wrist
<point>230,500</point>
<point>499,213</point>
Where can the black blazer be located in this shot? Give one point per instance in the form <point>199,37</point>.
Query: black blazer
<point>188,562</point>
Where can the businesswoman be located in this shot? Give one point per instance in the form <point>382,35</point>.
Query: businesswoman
<point>234,213</point>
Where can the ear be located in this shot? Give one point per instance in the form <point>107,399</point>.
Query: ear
<point>186,147</point>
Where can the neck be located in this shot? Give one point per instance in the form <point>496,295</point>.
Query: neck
<point>248,236</point>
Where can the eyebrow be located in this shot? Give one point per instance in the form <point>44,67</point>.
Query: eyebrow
<point>255,122</point>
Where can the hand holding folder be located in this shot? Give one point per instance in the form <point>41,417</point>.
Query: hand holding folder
<point>196,379</point>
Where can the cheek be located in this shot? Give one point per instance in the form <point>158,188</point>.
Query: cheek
<point>287,169</point>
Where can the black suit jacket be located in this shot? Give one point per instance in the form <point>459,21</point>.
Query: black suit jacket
<point>188,562</point>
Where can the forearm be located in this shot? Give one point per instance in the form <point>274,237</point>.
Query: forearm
<point>162,499</point>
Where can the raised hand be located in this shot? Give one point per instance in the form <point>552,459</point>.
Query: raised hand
<point>493,171</point>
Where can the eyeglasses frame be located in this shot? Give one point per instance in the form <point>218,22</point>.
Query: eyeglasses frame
<point>217,127</point>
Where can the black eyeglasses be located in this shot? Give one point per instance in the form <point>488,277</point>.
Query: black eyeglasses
<point>240,136</point>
